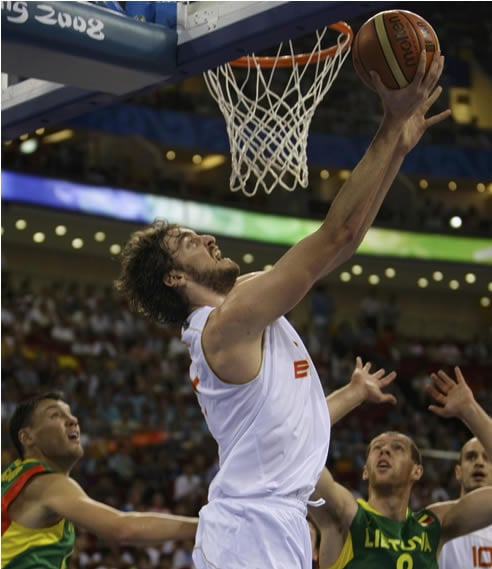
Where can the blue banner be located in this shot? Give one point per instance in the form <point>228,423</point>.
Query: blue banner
<point>209,134</point>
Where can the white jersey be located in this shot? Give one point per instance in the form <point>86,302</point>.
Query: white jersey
<point>468,551</point>
<point>273,433</point>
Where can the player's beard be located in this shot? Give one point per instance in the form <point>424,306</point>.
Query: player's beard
<point>220,279</point>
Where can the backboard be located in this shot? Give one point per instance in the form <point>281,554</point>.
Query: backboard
<point>63,59</point>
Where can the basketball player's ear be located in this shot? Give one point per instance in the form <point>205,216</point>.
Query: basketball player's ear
<point>174,279</point>
<point>365,474</point>
<point>458,472</point>
<point>24,436</point>
<point>417,472</point>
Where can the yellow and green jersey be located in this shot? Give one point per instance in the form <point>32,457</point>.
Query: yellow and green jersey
<point>377,542</point>
<point>26,548</point>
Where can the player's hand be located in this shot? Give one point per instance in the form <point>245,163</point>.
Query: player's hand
<point>371,385</point>
<point>409,106</point>
<point>453,396</point>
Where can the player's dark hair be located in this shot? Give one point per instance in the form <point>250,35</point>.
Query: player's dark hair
<point>22,416</point>
<point>145,261</point>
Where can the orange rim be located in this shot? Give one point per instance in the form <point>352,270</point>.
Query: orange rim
<point>301,58</point>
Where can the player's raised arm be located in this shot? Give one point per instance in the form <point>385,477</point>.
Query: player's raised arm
<point>248,309</point>
<point>363,386</point>
<point>454,398</point>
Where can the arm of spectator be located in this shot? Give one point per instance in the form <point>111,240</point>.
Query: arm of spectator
<point>363,386</point>
<point>61,495</point>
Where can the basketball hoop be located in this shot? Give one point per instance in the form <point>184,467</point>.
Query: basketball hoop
<point>267,121</point>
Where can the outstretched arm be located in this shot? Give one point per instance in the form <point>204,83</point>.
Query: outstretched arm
<point>363,386</point>
<point>236,326</point>
<point>454,398</point>
<point>63,496</point>
<point>471,512</point>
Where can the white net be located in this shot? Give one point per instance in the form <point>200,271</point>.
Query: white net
<point>268,112</point>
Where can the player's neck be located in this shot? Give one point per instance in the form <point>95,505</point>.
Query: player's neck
<point>391,506</point>
<point>203,296</point>
<point>61,466</point>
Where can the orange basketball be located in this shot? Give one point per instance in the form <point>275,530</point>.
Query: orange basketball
<point>390,44</point>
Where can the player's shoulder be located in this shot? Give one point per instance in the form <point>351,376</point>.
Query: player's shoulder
<point>440,509</point>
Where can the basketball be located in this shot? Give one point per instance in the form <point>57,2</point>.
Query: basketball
<point>390,43</point>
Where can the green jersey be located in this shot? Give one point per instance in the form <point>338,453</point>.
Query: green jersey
<point>377,542</point>
<point>27,548</point>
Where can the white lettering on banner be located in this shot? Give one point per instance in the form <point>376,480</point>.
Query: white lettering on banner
<point>48,15</point>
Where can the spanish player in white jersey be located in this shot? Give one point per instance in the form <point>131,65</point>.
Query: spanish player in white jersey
<point>472,550</point>
<point>256,384</point>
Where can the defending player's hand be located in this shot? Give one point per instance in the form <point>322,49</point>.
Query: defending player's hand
<point>371,385</point>
<point>453,396</point>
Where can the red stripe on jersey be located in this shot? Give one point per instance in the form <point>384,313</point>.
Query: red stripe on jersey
<point>13,492</point>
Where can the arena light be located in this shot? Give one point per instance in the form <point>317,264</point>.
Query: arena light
<point>324,174</point>
<point>373,279</point>
<point>345,276</point>
<point>115,249</point>
<point>248,258</point>
<point>422,282</point>
<point>21,224</point>
<point>455,222</point>
<point>29,146</point>
<point>60,230</point>
<point>170,155</point>
<point>357,270</point>
<point>77,243</point>
<point>437,276</point>
<point>485,301</point>
<point>470,278</point>
<point>212,161</point>
<point>38,237</point>
<point>99,236</point>
<point>390,273</point>
<point>59,136</point>
<point>454,284</point>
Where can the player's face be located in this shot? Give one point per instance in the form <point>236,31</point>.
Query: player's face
<point>54,434</point>
<point>201,259</point>
<point>475,468</point>
<point>389,462</point>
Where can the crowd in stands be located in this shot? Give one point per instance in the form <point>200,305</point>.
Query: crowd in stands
<point>146,444</point>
